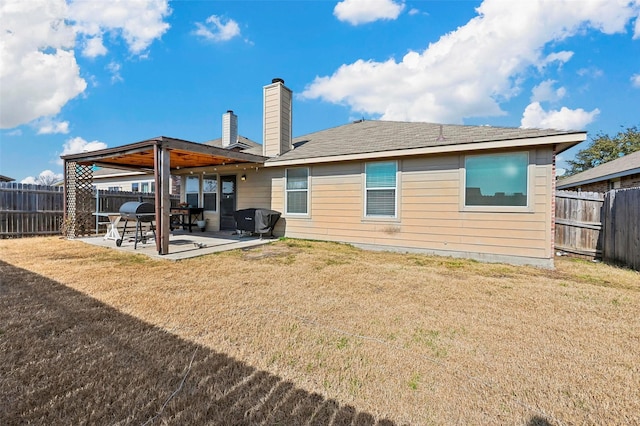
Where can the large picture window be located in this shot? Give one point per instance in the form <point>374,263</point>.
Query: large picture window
<point>497,179</point>
<point>297,189</point>
<point>210,192</point>
<point>380,192</point>
<point>192,191</point>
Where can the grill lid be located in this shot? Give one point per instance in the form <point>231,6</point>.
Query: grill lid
<point>131,209</point>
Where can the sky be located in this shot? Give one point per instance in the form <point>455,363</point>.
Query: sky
<point>84,75</point>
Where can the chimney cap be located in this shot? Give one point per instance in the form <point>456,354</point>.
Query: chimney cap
<point>277,80</point>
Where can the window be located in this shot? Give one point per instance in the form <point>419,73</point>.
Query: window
<point>192,191</point>
<point>297,189</point>
<point>135,187</point>
<point>380,188</point>
<point>145,186</point>
<point>210,192</point>
<point>496,179</point>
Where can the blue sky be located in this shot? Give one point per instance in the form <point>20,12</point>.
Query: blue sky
<point>84,75</point>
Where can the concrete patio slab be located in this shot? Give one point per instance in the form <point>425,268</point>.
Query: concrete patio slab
<point>183,244</point>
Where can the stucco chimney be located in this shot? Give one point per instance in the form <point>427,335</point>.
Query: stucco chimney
<point>276,138</point>
<point>229,129</point>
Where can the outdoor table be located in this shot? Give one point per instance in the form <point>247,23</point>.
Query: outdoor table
<point>186,216</point>
<point>112,226</point>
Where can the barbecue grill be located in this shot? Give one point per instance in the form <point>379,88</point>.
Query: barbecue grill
<point>141,213</point>
<point>258,221</point>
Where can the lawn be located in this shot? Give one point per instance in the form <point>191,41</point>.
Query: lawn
<point>299,332</point>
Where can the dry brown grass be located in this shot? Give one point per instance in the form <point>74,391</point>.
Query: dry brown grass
<point>357,336</point>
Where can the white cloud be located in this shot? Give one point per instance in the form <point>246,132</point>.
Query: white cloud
<point>48,126</point>
<point>358,12</point>
<point>94,47</point>
<point>114,68</point>
<point>217,29</point>
<point>544,92</point>
<point>535,116</point>
<point>561,57</point>
<point>635,80</point>
<point>77,145</point>
<point>39,70</point>
<point>46,177</point>
<point>592,72</point>
<point>470,71</point>
<point>138,22</point>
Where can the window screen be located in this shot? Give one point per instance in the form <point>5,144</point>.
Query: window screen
<point>496,179</point>
<point>210,192</point>
<point>192,191</point>
<point>381,188</point>
<point>297,189</point>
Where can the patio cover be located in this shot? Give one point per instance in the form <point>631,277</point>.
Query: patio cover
<point>159,156</point>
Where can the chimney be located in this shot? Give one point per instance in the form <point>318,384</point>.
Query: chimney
<point>229,129</point>
<point>276,138</point>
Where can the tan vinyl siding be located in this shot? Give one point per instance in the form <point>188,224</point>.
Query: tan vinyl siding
<point>255,192</point>
<point>429,214</point>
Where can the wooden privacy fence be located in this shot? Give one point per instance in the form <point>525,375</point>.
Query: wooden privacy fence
<point>604,226</point>
<point>27,210</point>
<point>30,210</point>
<point>578,223</point>
<point>621,227</point>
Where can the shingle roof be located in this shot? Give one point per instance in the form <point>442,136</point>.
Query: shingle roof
<point>623,166</point>
<point>378,136</point>
<point>248,143</point>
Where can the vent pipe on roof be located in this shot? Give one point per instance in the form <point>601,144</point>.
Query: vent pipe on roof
<point>441,137</point>
<point>277,123</point>
<point>229,129</point>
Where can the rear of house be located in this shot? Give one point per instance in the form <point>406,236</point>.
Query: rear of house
<point>478,192</point>
<point>468,191</point>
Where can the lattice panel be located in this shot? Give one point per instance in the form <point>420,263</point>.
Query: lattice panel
<point>79,199</point>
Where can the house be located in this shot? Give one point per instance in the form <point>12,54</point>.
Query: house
<point>623,172</point>
<point>111,179</point>
<point>479,192</point>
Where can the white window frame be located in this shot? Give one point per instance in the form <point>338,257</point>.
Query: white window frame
<point>287,191</point>
<point>527,208</point>
<point>367,189</point>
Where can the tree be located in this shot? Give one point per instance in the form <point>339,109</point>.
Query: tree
<point>47,177</point>
<point>604,148</point>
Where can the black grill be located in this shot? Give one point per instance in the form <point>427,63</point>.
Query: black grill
<point>135,210</point>
<point>140,212</point>
<point>258,221</point>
